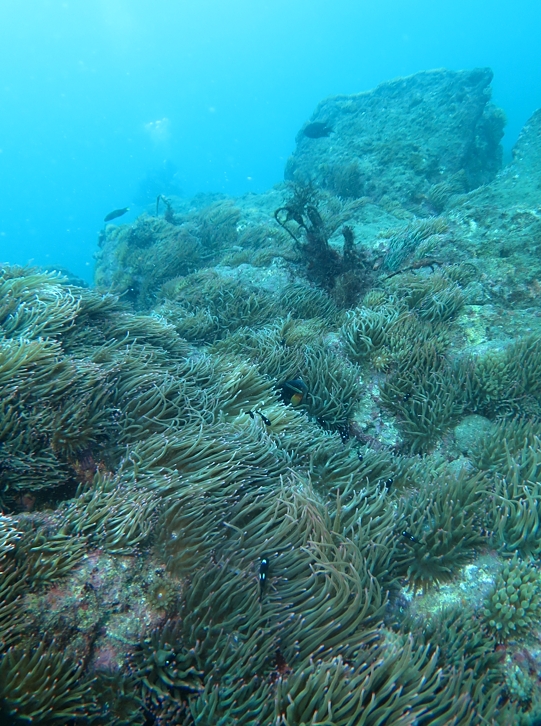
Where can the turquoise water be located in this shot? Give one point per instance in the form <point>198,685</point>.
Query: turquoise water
<point>107,103</point>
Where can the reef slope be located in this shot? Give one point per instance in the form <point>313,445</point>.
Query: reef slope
<point>282,466</point>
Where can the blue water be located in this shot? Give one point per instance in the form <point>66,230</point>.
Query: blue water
<point>105,103</point>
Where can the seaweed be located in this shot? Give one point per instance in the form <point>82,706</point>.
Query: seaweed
<point>345,275</point>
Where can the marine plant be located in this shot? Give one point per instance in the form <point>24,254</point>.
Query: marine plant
<point>345,275</point>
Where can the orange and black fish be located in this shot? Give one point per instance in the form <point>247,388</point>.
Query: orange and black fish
<point>116,213</point>
<point>265,420</point>
<point>294,391</point>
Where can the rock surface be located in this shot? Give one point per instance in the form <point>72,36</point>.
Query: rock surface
<point>403,137</point>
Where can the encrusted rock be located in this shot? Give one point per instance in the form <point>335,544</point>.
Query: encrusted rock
<point>404,137</point>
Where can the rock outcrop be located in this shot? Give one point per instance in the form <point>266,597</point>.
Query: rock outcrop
<point>403,138</point>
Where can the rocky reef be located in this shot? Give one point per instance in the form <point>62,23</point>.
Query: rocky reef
<point>282,464</point>
<point>398,141</point>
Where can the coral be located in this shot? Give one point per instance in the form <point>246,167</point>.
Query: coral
<point>345,275</point>
<point>9,535</point>
<point>404,242</point>
<point>118,701</point>
<point>162,593</point>
<point>165,668</point>
<point>443,528</point>
<point>37,685</point>
<point>507,381</point>
<point>44,557</point>
<point>513,607</point>
<point>113,515</point>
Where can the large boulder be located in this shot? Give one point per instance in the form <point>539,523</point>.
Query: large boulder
<point>403,138</point>
<point>520,182</point>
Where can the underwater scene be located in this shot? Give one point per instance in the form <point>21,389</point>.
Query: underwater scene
<point>276,460</point>
<point>281,464</point>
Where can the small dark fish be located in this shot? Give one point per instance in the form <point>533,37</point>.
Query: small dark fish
<point>294,391</point>
<point>116,213</point>
<point>265,420</point>
<point>263,572</point>
<point>388,483</point>
<point>409,536</point>
<point>360,456</point>
<point>344,433</point>
<point>317,130</point>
